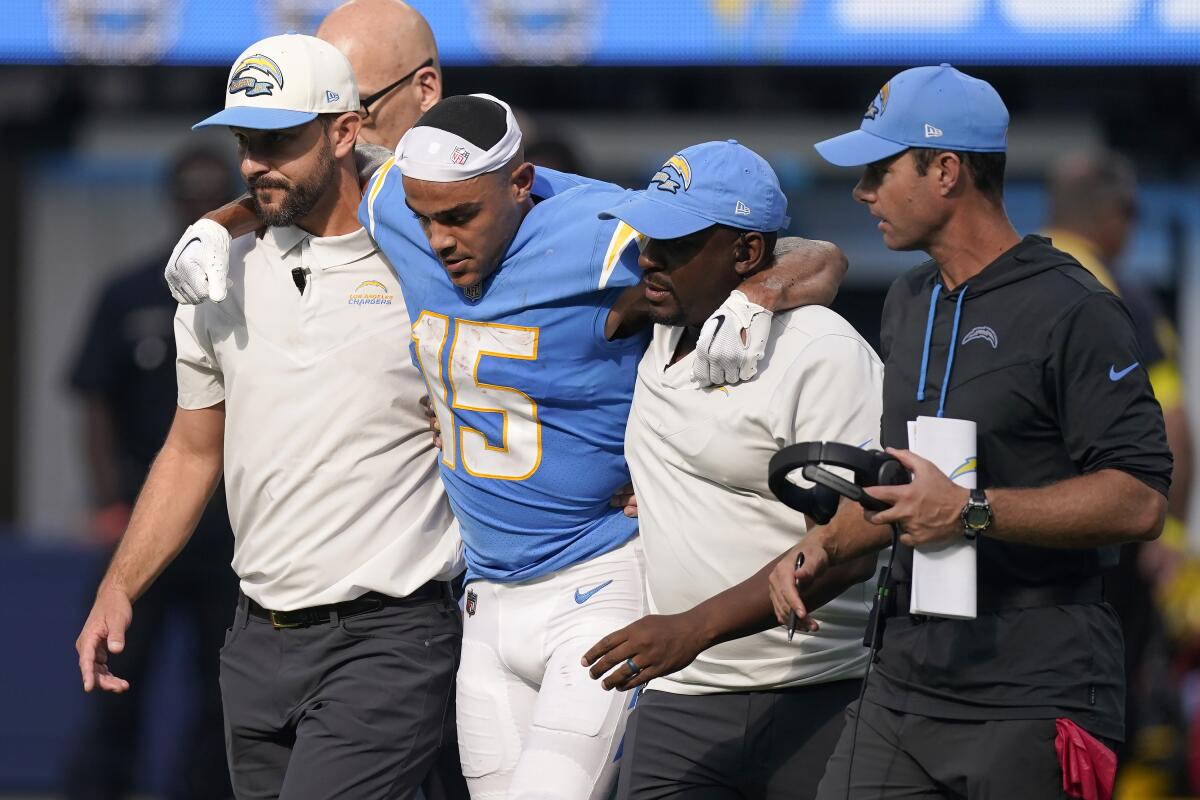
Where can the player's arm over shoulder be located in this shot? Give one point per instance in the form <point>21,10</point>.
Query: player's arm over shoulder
<point>804,272</point>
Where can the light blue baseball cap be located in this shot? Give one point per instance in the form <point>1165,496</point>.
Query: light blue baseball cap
<point>707,184</point>
<point>936,107</point>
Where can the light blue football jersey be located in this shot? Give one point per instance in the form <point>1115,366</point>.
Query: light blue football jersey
<point>531,397</point>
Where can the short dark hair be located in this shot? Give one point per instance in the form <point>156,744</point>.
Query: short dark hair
<point>986,169</point>
<point>480,121</point>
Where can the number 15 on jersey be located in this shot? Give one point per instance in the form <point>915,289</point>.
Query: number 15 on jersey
<point>454,387</point>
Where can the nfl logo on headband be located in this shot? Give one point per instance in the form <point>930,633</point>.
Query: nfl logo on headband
<point>459,138</point>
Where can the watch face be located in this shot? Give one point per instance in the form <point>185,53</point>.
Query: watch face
<point>978,516</point>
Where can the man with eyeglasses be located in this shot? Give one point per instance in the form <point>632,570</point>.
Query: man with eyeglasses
<point>394,57</point>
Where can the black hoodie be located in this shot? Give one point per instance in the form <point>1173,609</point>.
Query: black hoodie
<point>1045,360</point>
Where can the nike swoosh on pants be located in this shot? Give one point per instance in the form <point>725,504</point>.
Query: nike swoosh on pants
<point>583,597</point>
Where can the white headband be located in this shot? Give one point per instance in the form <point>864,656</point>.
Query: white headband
<point>432,154</point>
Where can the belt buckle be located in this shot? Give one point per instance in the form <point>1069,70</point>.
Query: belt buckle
<point>277,625</point>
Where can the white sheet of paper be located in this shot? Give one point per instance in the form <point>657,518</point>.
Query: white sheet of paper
<point>943,577</point>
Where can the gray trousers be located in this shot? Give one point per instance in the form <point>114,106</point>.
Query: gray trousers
<point>354,708</point>
<point>771,745</point>
<point>911,756</point>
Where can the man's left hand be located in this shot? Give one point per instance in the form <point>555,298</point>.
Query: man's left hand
<point>732,342</point>
<point>659,644</point>
<point>929,510</point>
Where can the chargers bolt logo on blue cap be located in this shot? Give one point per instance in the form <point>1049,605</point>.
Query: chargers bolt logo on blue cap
<point>251,85</point>
<point>879,104</point>
<point>674,175</point>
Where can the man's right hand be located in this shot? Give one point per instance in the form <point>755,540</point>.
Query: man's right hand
<point>787,582</point>
<point>198,269</point>
<point>104,635</point>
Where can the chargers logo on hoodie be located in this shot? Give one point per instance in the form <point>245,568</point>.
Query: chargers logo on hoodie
<point>252,86</point>
<point>674,175</point>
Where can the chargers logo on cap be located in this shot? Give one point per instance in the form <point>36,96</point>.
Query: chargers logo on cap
<point>676,173</point>
<point>879,104</point>
<point>252,86</point>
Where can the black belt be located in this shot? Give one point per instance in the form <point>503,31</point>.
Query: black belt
<point>372,601</point>
<point>991,598</point>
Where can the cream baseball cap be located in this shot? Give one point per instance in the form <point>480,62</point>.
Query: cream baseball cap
<point>284,81</point>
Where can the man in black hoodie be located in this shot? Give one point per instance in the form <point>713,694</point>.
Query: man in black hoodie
<point>1072,461</point>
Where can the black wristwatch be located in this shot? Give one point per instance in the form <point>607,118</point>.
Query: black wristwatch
<point>976,514</point>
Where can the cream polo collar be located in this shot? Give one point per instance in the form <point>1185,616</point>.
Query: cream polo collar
<point>325,252</point>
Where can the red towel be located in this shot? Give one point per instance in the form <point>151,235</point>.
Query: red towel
<point>1088,767</point>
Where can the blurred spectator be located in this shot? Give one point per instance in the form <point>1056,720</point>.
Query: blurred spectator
<point>125,376</point>
<point>1093,210</point>
<point>547,146</point>
<point>556,153</point>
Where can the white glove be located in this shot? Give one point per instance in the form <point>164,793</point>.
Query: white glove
<point>722,357</point>
<point>198,269</point>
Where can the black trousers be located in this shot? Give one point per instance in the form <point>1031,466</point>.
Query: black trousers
<point>771,745</point>
<point>912,756</point>
<point>356,707</point>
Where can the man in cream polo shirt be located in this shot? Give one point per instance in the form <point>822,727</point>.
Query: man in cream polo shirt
<point>757,716</point>
<point>338,670</point>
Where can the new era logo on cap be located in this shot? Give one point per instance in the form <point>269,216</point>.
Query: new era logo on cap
<point>931,132</point>
<point>331,97</point>
<point>741,208</point>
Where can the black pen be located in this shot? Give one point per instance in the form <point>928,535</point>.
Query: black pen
<point>792,616</point>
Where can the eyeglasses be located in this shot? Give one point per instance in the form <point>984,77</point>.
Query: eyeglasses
<point>367,101</point>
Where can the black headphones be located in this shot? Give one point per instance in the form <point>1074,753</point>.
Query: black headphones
<point>870,468</point>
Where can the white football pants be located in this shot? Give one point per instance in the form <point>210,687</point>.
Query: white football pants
<point>532,724</point>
